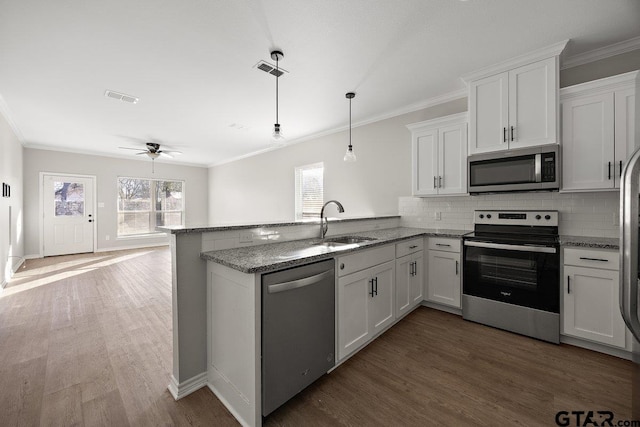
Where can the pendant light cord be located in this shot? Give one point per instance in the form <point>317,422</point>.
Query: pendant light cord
<point>277,76</point>
<point>349,123</point>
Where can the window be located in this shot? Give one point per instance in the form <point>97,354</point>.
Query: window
<point>144,204</point>
<point>309,190</point>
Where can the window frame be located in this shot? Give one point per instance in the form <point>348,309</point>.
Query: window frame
<point>152,211</point>
<point>298,195</point>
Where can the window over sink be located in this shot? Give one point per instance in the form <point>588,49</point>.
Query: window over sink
<point>144,204</point>
<point>309,190</point>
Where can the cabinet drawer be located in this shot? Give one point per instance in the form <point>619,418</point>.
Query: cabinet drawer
<point>442,244</point>
<point>360,260</point>
<point>607,260</point>
<point>409,247</point>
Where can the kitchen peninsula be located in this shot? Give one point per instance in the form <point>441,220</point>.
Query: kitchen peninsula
<point>239,255</point>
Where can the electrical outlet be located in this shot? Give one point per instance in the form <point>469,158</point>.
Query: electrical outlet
<point>438,216</point>
<point>245,237</point>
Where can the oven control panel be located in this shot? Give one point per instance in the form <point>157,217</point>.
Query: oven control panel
<point>546,218</point>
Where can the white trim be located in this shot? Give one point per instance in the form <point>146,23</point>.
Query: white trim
<point>41,206</point>
<point>440,121</point>
<point>185,388</point>
<point>14,269</point>
<point>110,155</point>
<point>436,100</point>
<point>537,55</point>
<point>124,248</point>
<point>32,256</point>
<point>4,110</point>
<point>601,348</point>
<point>607,84</point>
<point>601,53</point>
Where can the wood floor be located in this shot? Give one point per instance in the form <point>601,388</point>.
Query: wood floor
<point>86,340</point>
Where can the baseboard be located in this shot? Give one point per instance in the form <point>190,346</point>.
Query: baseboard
<point>32,256</point>
<point>139,246</point>
<point>601,348</point>
<point>185,388</point>
<point>18,265</point>
<point>441,307</point>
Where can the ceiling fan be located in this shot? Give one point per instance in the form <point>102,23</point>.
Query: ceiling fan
<point>153,151</point>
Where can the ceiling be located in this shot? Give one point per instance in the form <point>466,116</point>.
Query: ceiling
<point>192,64</point>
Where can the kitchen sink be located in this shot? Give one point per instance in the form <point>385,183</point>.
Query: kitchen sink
<point>341,241</point>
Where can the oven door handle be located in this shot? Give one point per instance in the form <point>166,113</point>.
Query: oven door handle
<point>522,248</point>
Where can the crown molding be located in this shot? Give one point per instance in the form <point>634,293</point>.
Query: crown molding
<point>440,121</point>
<point>601,53</point>
<point>431,102</point>
<point>518,61</point>
<point>4,111</point>
<point>607,84</point>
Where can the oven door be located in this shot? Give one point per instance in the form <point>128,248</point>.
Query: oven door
<point>524,275</point>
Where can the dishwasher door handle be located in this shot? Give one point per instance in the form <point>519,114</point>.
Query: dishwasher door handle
<point>300,283</point>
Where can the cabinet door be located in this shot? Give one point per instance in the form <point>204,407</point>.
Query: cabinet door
<point>625,110</point>
<point>591,305</point>
<point>488,113</point>
<point>409,282</point>
<point>444,278</point>
<point>425,163</point>
<point>532,104</point>
<point>588,143</point>
<point>416,285</point>
<point>452,165</point>
<point>354,327</point>
<point>381,305</point>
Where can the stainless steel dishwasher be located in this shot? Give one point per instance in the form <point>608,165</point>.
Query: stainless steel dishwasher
<point>298,330</point>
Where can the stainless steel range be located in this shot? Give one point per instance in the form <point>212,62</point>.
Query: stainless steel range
<point>511,277</point>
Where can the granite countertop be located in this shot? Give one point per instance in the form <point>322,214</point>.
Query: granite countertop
<point>226,227</point>
<point>276,256</point>
<point>590,242</point>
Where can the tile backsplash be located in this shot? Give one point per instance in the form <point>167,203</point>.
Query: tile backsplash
<point>581,214</point>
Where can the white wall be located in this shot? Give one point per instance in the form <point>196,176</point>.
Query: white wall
<point>261,188</point>
<point>107,170</point>
<point>11,229</point>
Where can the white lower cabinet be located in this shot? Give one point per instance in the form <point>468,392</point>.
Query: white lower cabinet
<point>409,276</point>
<point>590,289</point>
<point>366,298</point>
<point>444,272</point>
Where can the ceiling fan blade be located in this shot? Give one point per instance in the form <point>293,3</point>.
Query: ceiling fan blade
<point>173,152</point>
<point>130,148</point>
<point>165,154</point>
<point>142,152</point>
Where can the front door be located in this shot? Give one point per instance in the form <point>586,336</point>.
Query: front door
<point>68,214</point>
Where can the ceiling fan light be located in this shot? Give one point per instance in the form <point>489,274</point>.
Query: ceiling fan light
<point>153,155</point>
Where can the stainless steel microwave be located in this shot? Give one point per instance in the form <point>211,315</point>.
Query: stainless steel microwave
<point>527,169</point>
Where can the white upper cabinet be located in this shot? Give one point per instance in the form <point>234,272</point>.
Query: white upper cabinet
<point>439,156</point>
<point>597,132</point>
<point>514,104</point>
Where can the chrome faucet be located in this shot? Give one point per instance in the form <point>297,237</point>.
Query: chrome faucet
<point>324,223</point>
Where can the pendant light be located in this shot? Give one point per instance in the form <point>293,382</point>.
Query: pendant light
<point>277,55</point>
<point>350,156</point>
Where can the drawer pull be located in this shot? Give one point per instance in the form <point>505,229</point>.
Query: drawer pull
<point>594,259</point>
<point>568,284</point>
<point>413,246</point>
<point>442,244</point>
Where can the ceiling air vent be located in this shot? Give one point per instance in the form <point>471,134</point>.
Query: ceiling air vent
<point>270,68</point>
<point>121,97</point>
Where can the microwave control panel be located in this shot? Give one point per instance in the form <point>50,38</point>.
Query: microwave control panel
<point>548,167</point>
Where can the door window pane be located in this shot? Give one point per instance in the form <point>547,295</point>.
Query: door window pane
<point>69,198</point>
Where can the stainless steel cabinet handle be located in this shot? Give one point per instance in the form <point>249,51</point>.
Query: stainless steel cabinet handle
<point>371,293</point>
<point>456,267</point>
<point>434,182</point>
<point>568,284</point>
<point>443,244</point>
<point>439,182</point>
<point>413,246</point>
<point>512,133</point>
<point>294,284</point>
<point>609,171</point>
<point>594,259</point>
<point>376,288</point>
<point>504,134</point>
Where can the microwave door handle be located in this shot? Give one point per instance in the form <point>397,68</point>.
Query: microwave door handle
<point>629,205</point>
<point>538,166</point>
